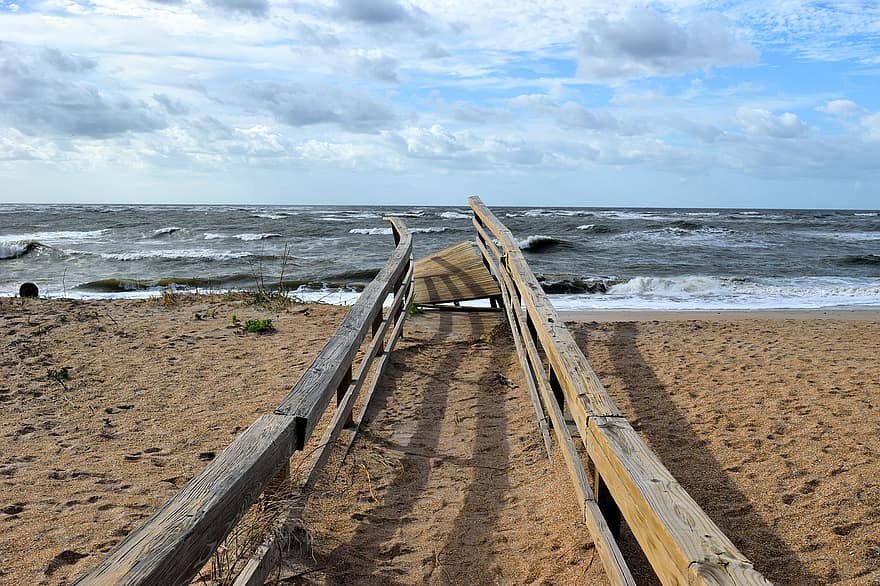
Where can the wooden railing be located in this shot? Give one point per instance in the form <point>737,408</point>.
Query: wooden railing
<point>679,540</point>
<point>172,545</point>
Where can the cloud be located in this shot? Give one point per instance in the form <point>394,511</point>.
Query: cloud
<point>256,8</point>
<point>464,149</point>
<point>644,43</point>
<point>871,124</point>
<point>376,66</point>
<point>373,11</point>
<point>42,92</point>
<point>434,51</point>
<point>383,13</point>
<point>763,122</point>
<point>841,108</point>
<point>305,105</point>
<point>171,105</point>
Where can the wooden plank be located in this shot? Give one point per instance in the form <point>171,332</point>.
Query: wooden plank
<point>267,554</point>
<point>344,410</point>
<point>562,350</point>
<point>521,354</point>
<point>309,397</point>
<point>603,538</point>
<point>681,542</point>
<point>181,536</point>
<point>453,274</point>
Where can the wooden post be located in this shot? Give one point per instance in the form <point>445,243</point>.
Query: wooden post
<point>557,390</point>
<point>341,390</point>
<point>606,503</point>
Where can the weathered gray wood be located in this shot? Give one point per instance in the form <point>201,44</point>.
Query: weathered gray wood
<point>309,397</point>
<point>173,544</point>
<point>520,352</point>
<point>683,545</point>
<point>267,554</point>
<point>612,559</point>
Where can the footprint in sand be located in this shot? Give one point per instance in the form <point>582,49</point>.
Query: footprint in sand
<point>13,509</point>
<point>66,557</point>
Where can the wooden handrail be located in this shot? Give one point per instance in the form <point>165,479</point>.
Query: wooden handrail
<point>682,544</point>
<point>172,545</point>
<point>309,397</point>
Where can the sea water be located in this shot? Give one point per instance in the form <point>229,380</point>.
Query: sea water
<point>586,258</point>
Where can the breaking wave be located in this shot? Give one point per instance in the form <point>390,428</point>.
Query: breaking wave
<point>370,231</point>
<point>667,287</point>
<point>862,259</point>
<point>166,231</point>
<point>576,286</point>
<point>17,249</point>
<point>596,228</point>
<point>455,216</point>
<point>251,237</point>
<point>539,243</point>
<point>176,254</point>
<point>387,231</point>
<point>244,237</point>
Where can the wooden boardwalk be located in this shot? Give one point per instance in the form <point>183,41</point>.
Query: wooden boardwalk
<point>616,476</point>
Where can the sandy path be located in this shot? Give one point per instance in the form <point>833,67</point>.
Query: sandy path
<point>448,482</point>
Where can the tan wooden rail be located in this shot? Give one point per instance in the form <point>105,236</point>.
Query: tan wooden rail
<point>682,544</point>
<point>171,546</point>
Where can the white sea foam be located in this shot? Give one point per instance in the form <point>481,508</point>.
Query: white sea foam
<point>58,237</point>
<point>180,253</point>
<point>846,236</point>
<point>867,214</point>
<point>387,231</point>
<point>627,215</point>
<point>587,227</point>
<point>252,237</point>
<point>373,231</point>
<point>15,249</point>
<point>269,216</point>
<point>455,216</point>
<point>166,231</point>
<point>710,293</point>
<point>668,287</point>
<point>244,237</point>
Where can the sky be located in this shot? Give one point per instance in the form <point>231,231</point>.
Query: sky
<point>681,103</point>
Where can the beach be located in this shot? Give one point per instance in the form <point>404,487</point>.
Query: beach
<point>767,419</point>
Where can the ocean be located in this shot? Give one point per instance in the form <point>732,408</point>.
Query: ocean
<point>586,258</point>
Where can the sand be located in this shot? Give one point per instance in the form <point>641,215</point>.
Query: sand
<point>153,394</point>
<point>771,426</point>
<point>770,422</point>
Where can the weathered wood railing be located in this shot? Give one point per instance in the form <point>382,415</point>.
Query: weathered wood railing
<point>679,540</point>
<point>172,545</point>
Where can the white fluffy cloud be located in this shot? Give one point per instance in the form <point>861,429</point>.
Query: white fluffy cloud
<point>841,108</point>
<point>764,123</point>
